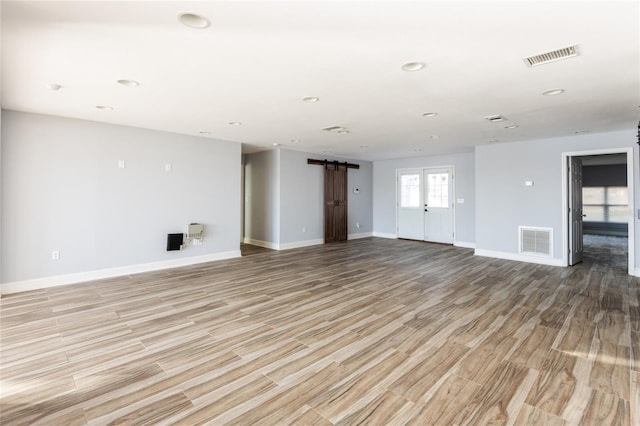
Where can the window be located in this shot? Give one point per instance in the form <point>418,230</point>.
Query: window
<point>438,190</point>
<point>410,190</point>
<point>605,204</point>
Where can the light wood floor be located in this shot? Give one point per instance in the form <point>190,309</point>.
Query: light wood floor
<point>371,331</point>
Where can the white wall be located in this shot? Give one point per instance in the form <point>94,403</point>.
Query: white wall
<point>284,199</point>
<point>302,194</point>
<point>384,195</point>
<point>262,197</point>
<point>503,200</point>
<point>62,190</point>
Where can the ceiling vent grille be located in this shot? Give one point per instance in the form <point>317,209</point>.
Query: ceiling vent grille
<point>536,241</point>
<point>495,118</point>
<point>336,129</point>
<point>556,55</point>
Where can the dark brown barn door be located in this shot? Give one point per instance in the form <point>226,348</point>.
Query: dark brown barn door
<point>335,202</point>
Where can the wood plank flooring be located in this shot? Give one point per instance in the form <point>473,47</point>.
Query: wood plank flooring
<point>370,331</point>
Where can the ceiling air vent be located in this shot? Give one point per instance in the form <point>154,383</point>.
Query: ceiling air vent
<point>495,118</point>
<point>336,129</point>
<point>556,55</point>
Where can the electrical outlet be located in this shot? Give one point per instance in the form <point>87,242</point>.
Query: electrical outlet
<point>358,225</point>
<point>55,255</point>
<point>121,164</point>
<point>304,229</point>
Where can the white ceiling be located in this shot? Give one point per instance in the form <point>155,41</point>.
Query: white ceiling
<point>258,59</point>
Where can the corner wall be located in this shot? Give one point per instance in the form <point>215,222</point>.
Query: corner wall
<point>62,190</point>
<point>504,202</point>
<point>262,198</point>
<point>384,198</point>
<point>284,199</point>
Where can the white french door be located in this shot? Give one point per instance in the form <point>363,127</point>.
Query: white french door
<point>425,204</point>
<point>438,205</point>
<point>410,215</point>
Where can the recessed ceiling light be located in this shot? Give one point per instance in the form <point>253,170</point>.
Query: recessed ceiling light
<point>434,137</point>
<point>364,146</point>
<point>343,131</point>
<point>553,92</point>
<point>494,141</point>
<point>326,152</point>
<point>52,86</point>
<point>104,107</point>
<point>193,20</point>
<point>581,132</point>
<point>205,132</point>
<point>513,126</point>
<point>295,140</point>
<point>413,66</point>
<point>275,144</point>
<point>129,83</point>
<point>235,123</point>
<point>310,99</point>
<point>429,114</point>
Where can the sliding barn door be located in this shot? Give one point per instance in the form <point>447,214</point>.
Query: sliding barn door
<point>335,203</point>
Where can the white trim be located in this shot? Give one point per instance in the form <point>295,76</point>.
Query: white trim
<point>385,235</point>
<point>360,235</point>
<point>630,187</point>
<point>298,244</point>
<point>637,274</point>
<point>260,243</point>
<point>519,257</point>
<point>284,246</point>
<point>464,244</point>
<point>54,281</point>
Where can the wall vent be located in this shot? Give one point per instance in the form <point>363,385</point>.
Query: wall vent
<point>556,55</point>
<point>536,241</point>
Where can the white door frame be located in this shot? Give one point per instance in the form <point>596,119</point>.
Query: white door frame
<point>453,196</point>
<point>630,187</point>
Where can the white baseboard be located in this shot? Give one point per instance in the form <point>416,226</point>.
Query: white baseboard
<point>384,235</point>
<point>519,257</point>
<point>54,281</point>
<point>360,235</point>
<point>260,243</point>
<point>283,246</point>
<point>464,244</point>
<point>298,244</point>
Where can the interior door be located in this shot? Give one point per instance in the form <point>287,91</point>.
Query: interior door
<point>575,210</point>
<point>335,203</point>
<point>410,209</point>
<point>438,205</point>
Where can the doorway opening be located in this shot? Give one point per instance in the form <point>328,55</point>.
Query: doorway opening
<point>598,208</point>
